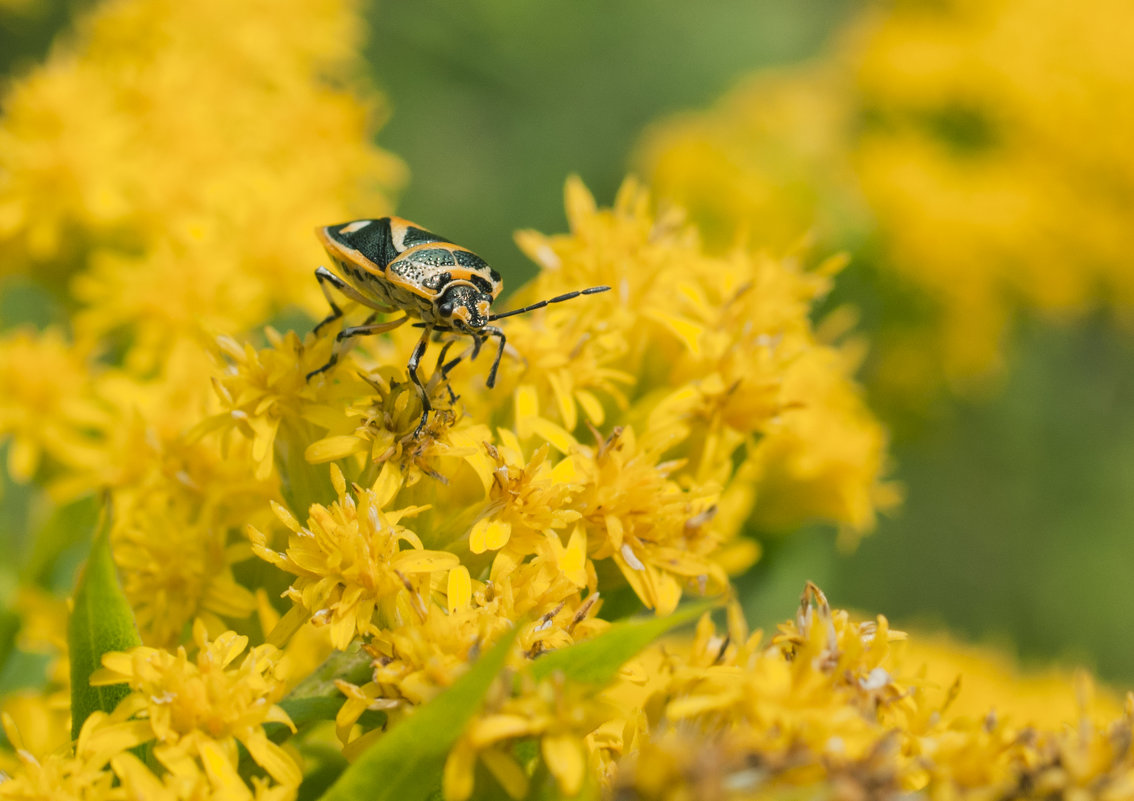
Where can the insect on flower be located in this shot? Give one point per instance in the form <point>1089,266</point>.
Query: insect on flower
<point>394,265</point>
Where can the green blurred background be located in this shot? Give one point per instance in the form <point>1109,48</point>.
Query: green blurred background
<point>1019,514</point>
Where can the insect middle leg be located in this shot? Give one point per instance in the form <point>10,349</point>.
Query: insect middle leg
<point>347,334</point>
<point>442,368</point>
<point>414,361</point>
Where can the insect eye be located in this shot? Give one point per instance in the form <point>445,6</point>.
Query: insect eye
<point>446,309</point>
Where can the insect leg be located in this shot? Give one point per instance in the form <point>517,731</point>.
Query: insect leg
<point>493,331</point>
<point>441,356</point>
<point>442,369</point>
<point>328,279</point>
<point>324,277</point>
<point>357,331</point>
<point>415,360</point>
<point>439,373</point>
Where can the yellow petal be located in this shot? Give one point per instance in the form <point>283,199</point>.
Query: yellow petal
<point>489,535</point>
<point>222,774</point>
<point>272,758</point>
<point>591,406</point>
<point>265,436</point>
<point>693,705</point>
<point>507,771</point>
<point>415,561</point>
<point>579,203</point>
<point>614,530</point>
<point>526,405</point>
<point>493,728</point>
<point>510,442</point>
<point>567,410</point>
<point>459,592</point>
<point>554,434</point>
<point>572,560</point>
<point>686,330</point>
<point>136,777</point>
<point>566,761</point>
<point>23,459</point>
<point>667,591</point>
<point>639,581</point>
<point>338,481</point>
<point>97,744</point>
<point>285,516</point>
<point>329,449</point>
<point>457,778</point>
<point>565,472</point>
<point>389,483</point>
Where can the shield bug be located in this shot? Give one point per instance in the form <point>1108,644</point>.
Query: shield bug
<point>392,265</point>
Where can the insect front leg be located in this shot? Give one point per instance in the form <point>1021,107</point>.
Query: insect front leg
<point>415,360</point>
<point>493,331</point>
<point>347,334</point>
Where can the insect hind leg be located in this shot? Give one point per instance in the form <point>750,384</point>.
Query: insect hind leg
<point>347,334</point>
<point>328,279</point>
<point>325,277</point>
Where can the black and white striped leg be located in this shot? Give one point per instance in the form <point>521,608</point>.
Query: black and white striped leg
<point>328,279</point>
<point>493,331</point>
<point>325,277</point>
<point>414,362</point>
<point>347,334</point>
<point>442,369</point>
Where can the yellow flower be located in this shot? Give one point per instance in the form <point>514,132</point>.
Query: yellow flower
<point>767,163</point>
<point>174,572</point>
<point>58,775</point>
<point>837,706</point>
<point>383,431</point>
<point>178,157</point>
<point>102,769</point>
<point>716,360</point>
<point>659,535</point>
<point>422,653</point>
<point>350,565</point>
<point>266,391</point>
<point>975,186</point>
<point>46,409</point>
<point>198,709</point>
<point>148,172</point>
<point>989,680</point>
<point>179,504</point>
<point>526,501</point>
<point>556,714</point>
<point>219,780</point>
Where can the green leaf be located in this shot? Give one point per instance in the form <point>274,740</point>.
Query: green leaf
<point>101,621</point>
<point>64,534</point>
<point>317,697</point>
<point>406,763</point>
<point>596,661</point>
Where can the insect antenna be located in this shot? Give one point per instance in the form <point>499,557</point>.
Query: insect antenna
<point>594,290</point>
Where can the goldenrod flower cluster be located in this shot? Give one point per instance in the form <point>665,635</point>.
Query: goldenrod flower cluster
<point>629,439</point>
<point>148,180</point>
<point>834,708</point>
<point>980,168</point>
<point>311,569</point>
